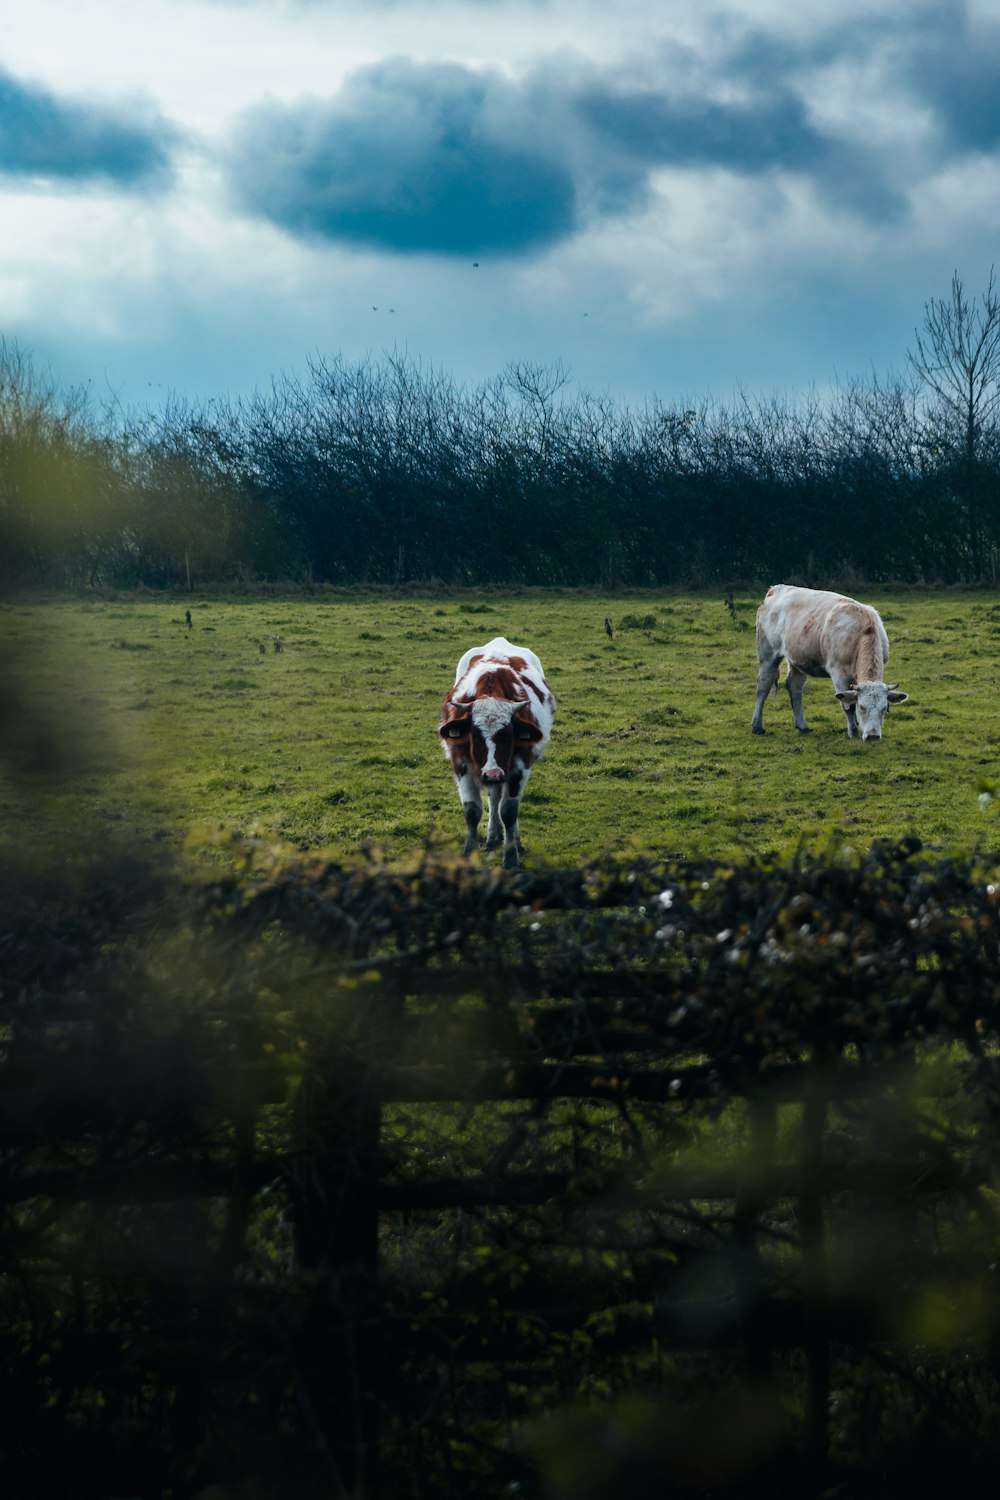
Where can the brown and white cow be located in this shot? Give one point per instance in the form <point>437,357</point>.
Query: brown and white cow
<point>495,725</point>
<point>822,634</point>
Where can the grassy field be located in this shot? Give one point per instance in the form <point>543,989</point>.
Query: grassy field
<point>331,740</point>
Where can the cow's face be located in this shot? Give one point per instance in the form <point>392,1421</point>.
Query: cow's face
<point>870,701</point>
<point>491,736</point>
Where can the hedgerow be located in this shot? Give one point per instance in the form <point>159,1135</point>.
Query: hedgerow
<point>423,1181</point>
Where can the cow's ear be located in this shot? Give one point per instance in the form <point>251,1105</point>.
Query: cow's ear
<point>526,729</point>
<point>455,729</point>
<point>897,697</point>
<point>849,698</point>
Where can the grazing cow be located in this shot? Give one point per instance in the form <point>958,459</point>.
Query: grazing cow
<point>495,725</point>
<point>822,634</point>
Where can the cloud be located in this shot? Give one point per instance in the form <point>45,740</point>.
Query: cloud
<point>941,62</point>
<point>954,67</point>
<point>450,159</point>
<point>652,129</point>
<point>408,157</point>
<point>42,135</point>
<point>765,133</point>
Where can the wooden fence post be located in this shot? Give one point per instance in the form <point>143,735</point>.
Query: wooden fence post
<point>334,1217</point>
<point>816,1331</point>
<point>750,1200</point>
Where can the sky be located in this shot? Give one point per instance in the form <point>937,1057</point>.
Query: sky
<point>663,198</point>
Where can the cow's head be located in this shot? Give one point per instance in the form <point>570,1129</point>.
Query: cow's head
<point>870,701</point>
<point>493,736</point>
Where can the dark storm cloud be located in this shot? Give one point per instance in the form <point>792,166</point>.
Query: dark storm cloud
<point>650,129</point>
<point>937,57</point>
<point>955,69</point>
<point>42,135</point>
<point>769,132</point>
<point>443,158</point>
<point>410,157</point>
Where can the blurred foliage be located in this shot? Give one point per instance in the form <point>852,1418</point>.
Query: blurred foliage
<point>570,1103</point>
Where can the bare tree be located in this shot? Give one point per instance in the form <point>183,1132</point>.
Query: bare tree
<point>958,358</point>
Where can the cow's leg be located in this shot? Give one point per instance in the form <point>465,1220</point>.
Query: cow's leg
<point>795,682</point>
<point>509,810</point>
<point>494,828</point>
<point>767,677</point>
<point>472,805</point>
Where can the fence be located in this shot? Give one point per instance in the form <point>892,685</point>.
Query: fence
<point>353,1181</point>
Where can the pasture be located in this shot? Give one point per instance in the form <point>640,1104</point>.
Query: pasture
<point>313,720</point>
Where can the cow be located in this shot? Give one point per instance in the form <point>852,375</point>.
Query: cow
<point>822,634</point>
<point>495,725</point>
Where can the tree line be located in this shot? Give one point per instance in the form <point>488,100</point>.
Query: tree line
<point>390,471</point>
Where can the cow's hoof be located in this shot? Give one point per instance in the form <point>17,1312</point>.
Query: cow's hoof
<point>492,844</point>
<point>803,729</point>
<point>471,846</point>
<point>510,859</point>
<point>757,729</point>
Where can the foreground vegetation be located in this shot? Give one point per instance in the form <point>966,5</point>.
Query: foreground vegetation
<point>656,1178</point>
<point>330,742</point>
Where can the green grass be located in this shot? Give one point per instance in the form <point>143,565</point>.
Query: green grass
<point>331,741</point>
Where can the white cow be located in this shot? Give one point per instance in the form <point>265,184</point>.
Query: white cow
<point>822,634</point>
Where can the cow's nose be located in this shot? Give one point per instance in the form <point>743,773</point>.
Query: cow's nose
<point>871,734</point>
<point>493,776</point>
